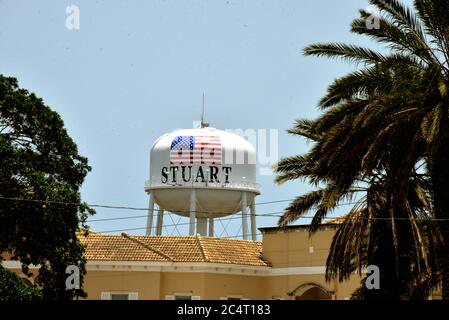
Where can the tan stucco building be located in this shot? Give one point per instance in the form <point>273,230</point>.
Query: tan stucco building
<point>286,264</point>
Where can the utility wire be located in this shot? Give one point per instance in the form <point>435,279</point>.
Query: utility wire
<point>129,208</point>
<point>276,214</point>
<point>181,224</point>
<point>137,208</point>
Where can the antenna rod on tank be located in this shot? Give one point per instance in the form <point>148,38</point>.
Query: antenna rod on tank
<point>203,124</point>
<point>202,113</point>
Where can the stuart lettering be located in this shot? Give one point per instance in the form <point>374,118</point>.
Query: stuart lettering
<point>185,174</point>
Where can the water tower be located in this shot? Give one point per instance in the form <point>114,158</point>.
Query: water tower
<point>202,174</point>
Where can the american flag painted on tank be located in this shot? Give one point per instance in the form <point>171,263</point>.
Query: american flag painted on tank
<point>195,150</point>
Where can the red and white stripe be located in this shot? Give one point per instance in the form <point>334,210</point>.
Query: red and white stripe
<point>207,150</point>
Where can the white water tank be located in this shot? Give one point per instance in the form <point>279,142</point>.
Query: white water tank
<point>202,173</point>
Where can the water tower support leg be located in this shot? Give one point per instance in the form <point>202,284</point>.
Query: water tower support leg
<point>201,226</point>
<point>211,227</point>
<point>253,222</point>
<point>244,217</point>
<point>150,214</point>
<point>160,217</point>
<point>192,212</point>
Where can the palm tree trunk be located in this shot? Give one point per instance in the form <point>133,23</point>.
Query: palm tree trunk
<point>383,256</point>
<point>441,199</point>
<point>440,178</point>
<point>445,273</point>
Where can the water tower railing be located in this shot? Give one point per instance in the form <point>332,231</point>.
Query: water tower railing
<point>222,185</point>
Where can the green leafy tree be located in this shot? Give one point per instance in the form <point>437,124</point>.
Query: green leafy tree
<point>40,176</point>
<point>386,125</point>
<point>14,288</point>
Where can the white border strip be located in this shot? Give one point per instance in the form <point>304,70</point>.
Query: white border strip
<point>194,267</point>
<point>204,267</point>
<point>12,264</point>
<point>298,271</point>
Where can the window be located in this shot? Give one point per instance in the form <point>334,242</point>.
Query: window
<point>233,297</point>
<point>119,296</point>
<point>182,296</point>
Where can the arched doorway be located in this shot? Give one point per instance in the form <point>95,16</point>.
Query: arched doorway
<point>311,291</point>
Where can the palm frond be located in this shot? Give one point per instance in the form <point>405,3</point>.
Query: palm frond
<point>434,16</point>
<point>300,206</point>
<point>304,128</point>
<point>391,35</point>
<point>291,168</point>
<point>346,52</point>
<point>403,16</point>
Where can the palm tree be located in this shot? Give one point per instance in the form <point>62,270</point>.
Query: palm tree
<point>387,121</point>
<point>368,232</point>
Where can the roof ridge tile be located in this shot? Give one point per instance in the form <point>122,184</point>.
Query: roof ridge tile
<point>202,249</point>
<point>146,246</point>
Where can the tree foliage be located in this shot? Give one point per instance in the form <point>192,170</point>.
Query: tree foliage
<point>14,288</point>
<point>40,176</point>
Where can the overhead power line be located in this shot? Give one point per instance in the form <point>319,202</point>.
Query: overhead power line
<point>231,217</point>
<point>234,217</point>
<point>276,214</point>
<point>128,207</point>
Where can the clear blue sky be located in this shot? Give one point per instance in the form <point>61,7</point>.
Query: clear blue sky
<point>137,69</point>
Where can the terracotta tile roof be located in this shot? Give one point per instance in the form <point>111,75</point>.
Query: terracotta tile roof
<point>237,251</point>
<point>172,249</point>
<point>117,248</point>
